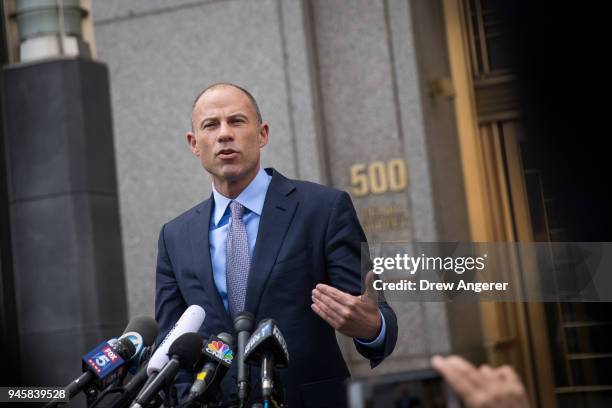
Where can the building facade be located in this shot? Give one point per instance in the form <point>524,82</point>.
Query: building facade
<point>410,106</point>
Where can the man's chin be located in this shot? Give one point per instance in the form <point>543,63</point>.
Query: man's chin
<point>231,174</point>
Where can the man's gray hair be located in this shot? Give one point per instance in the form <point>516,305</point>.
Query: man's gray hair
<point>215,85</point>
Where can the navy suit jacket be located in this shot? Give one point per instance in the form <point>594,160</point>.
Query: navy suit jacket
<point>308,234</point>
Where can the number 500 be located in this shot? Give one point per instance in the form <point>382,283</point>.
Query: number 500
<point>378,177</point>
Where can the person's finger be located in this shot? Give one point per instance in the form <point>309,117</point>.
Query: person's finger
<point>319,310</point>
<point>337,295</point>
<point>333,309</point>
<point>513,385</point>
<point>507,373</point>
<point>341,310</point>
<point>330,307</point>
<point>460,384</point>
<point>488,372</point>
<point>467,369</point>
<point>460,374</point>
<point>369,292</point>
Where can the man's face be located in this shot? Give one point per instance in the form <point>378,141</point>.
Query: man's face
<point>227,136</point>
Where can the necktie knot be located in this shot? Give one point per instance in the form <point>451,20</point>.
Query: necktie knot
<point>237,210</point>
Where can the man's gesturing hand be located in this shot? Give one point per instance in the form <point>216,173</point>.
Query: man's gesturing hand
<point>482,387</point>
<point>353,316</point>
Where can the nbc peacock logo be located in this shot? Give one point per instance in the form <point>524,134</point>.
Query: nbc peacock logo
<point>220,350</point>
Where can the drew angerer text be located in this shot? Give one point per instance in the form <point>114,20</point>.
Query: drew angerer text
<point>425,285</point>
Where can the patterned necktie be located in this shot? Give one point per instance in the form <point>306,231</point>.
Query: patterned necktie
<point>237,261</point>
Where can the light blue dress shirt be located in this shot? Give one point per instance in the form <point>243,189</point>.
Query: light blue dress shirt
<point>252,199</point>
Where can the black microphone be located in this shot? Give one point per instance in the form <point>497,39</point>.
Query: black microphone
<point>142,331</point>
<point>243,325</point>
<point>133,387</point>
<point>267,347</point>
<point>183,353</point>
<point>217,357</point>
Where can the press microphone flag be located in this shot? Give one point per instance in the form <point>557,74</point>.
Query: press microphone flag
<point>267,348</point>
<point>217,357</point>
<point>267,338</point>
<point>107,357</point>
<point>108,360</point>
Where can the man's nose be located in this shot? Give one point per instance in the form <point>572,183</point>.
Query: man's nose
<point>225,132</point>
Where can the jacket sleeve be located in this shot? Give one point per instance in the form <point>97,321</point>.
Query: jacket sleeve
<point>345,241</point>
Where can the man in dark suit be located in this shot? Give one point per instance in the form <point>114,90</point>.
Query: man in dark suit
<point>278,248</point>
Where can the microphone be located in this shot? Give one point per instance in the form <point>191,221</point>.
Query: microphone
<point>141,331</point>
<point>268,347</point>
<point>243,325</point>
<point>132,387</point>
<point>190,322</point>
<point>183,353</point>
<point>107,361</point>
<point>217,357</point>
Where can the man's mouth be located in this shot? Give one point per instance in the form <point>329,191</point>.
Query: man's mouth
<point>227,154</point>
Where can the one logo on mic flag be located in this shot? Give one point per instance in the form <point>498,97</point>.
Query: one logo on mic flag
<point>281,340</point>
<point>220,350</point>
<point>261,333</point>
<point>103,360</point>
<point>136,340</point>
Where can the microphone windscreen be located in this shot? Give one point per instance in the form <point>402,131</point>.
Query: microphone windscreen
<point>244,322</point>
<point>190,322</point>
<point>127,346</point>
<point>188,347</point>
<point>146,326</point>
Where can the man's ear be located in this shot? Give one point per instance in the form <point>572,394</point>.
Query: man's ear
<point>191,140</point>
<point>264,130</point>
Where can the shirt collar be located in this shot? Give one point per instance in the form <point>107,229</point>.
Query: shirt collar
<point>252,197</point>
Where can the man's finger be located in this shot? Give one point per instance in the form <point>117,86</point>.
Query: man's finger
<point>487,372</point>
<point>506,372</point>
<point>338,309</point>
<point>322,311</point>
<point>370,292</point>
<point>454,374</point>
<point>337,295</point>
<point>467,369</point>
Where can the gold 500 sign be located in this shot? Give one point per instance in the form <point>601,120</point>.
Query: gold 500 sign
<point>378,177</point>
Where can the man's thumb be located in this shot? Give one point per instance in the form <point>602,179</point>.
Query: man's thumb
<point>369,291</point>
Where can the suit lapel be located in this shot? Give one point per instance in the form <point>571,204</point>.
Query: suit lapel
<point>201,253</point>
<point>276,217</point>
